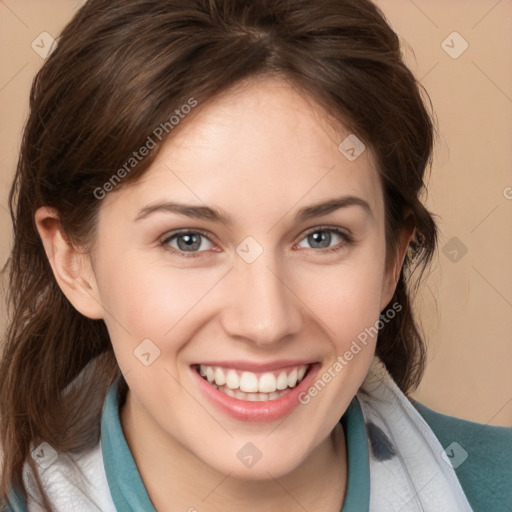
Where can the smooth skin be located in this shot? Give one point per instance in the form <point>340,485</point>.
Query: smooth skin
<point>260,152</point>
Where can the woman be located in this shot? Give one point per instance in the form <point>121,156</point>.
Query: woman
<point>217,216</point>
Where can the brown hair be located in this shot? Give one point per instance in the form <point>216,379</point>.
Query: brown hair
<point>121,69</point>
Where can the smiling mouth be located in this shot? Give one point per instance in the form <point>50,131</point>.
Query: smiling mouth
<point>253,386</point>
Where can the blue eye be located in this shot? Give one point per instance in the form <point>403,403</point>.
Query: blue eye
<point>187,242</point>
<point>322,237</point>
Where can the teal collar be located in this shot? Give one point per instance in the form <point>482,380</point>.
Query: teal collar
<point>357,497</point>
<point>126,486</point>
<point>130,495</point>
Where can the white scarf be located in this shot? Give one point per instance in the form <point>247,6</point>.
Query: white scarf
<point>409,473</point>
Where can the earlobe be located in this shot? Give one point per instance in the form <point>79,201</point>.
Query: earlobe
<point>72,269</point>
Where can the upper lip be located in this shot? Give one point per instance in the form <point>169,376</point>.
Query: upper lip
<point>251,366</point>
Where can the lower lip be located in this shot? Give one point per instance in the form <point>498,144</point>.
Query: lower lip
<point>270,410</point>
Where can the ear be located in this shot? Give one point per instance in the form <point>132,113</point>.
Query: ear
<point>392,272</point>
<point>72,269</point>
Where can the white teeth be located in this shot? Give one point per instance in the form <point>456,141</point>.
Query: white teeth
<point>232,380</point>
<point>251,386</point>
<point>282,381</point>
<point>249,382</point>
<point>220,378</point>
<point>292,378</point>
<point>267,383</point>
<point>251,397</point>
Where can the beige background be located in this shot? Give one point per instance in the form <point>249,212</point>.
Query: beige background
<point>466,305</point>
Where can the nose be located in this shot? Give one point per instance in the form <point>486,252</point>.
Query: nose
<point>263,307</point>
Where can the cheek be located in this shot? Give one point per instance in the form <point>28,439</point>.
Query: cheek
<point>345,298</point>
<point>145,301</point>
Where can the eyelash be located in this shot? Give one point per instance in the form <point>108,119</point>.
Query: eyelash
<point>347,240</point>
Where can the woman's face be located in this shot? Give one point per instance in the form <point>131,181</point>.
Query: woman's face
<point>251,280</point>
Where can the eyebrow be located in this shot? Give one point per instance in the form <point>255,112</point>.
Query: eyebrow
<point>217,215</point>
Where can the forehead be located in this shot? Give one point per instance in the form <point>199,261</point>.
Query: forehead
<point>264,142</point>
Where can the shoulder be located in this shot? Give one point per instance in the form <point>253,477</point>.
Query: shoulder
<point>480,454</point>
